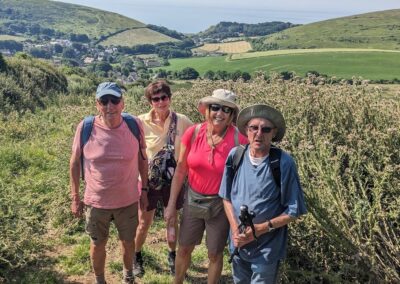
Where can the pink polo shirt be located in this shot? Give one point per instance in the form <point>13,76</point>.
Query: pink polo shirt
<point>205,176</point>
<point>110,165</point>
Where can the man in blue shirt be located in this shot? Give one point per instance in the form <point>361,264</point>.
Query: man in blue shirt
<point>275,205</point>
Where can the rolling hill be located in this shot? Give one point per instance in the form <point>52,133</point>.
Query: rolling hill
<point>372,30</point>
<point>43,17</point>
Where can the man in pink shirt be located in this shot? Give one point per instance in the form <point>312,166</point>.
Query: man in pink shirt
<point>113,158</point>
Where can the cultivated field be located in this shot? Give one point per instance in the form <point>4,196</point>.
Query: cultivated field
<point>302,51</point>
<point>228,47</point>
<point>137,36</point>
<point>374,65</point>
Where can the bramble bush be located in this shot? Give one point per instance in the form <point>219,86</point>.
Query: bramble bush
<point>345,140</point>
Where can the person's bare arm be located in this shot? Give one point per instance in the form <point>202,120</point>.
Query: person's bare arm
<point>176,185</point>
<point>144,175</point>
<point>74,171</point>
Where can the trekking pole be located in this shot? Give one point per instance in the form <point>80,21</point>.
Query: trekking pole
<point>246,220</point>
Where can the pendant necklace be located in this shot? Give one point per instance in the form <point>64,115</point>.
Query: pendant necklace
<point>213,145</point>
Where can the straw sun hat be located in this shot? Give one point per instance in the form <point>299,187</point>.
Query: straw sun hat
<point>262,111</point>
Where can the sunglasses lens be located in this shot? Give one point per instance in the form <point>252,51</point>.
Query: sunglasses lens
<point>254,129</point>
<point>226,109</point>
<point>157,99</point>
<point>104,101</point>
<point>215,107</point>
<point>114,101</point>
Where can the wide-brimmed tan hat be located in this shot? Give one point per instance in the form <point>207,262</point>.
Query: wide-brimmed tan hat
<point>221,97</point>
<point>262,111</point>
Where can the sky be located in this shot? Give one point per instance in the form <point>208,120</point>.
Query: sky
<point>190,16</point>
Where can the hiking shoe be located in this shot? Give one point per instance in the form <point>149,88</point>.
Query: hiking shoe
<point>138,269</point>
<point>171,261</point>
<point>128,280</point>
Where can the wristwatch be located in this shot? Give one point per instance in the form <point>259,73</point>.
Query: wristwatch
<point>145,188</point>
<point>270,226</point>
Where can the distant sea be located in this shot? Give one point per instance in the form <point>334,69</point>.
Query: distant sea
<point>185,19</point>
<point>189,20</point>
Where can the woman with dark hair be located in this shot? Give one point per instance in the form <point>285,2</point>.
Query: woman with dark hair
<point>161,125</point>
<point>204,150</point>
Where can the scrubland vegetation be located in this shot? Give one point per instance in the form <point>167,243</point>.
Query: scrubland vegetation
<point>345,139</point>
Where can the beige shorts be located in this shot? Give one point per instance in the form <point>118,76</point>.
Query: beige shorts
<point>125,220</point>
<point>192,229</point>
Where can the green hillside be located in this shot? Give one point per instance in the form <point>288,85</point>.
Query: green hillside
<point>371,30</point>
<point>50,17</point>
<point>137,36</point>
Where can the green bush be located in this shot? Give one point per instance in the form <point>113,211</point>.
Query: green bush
<point>3,64</point>
<point>345,141</point>
<point>27,82</point>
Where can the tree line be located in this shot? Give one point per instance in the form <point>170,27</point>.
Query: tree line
<point>180,49</point>
<point>225,30</point>
<point>190,73</point>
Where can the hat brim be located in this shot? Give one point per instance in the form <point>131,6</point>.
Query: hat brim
<point>205,102</point>
<point>108,92</point>
<point>262,111</point>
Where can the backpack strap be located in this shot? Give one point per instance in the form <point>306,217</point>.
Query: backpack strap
<point>87,128</point>
<point>238,158</point>
<point>134,128</point>
<point>85,135</point>
<point>195,132</point>
<point>275,163</point>
<point>172,129</point>
<point>236,136</point>
<point>274,158</point>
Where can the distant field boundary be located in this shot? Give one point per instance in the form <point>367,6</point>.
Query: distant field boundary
<point>240,56</point>
<point>10,37</point>
<point>115,33</point>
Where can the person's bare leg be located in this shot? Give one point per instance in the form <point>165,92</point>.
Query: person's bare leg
<point>145,221</point>
<point>172,245</point>
<point>182,263</point>
<point>214,267</point>
<point>98,257</point>
<point>127,248</point>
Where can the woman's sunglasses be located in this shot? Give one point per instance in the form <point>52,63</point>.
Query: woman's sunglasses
<point>225,109</point>
<point>157,99</point>
<point>105,100</point>
<point>255,128</point>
